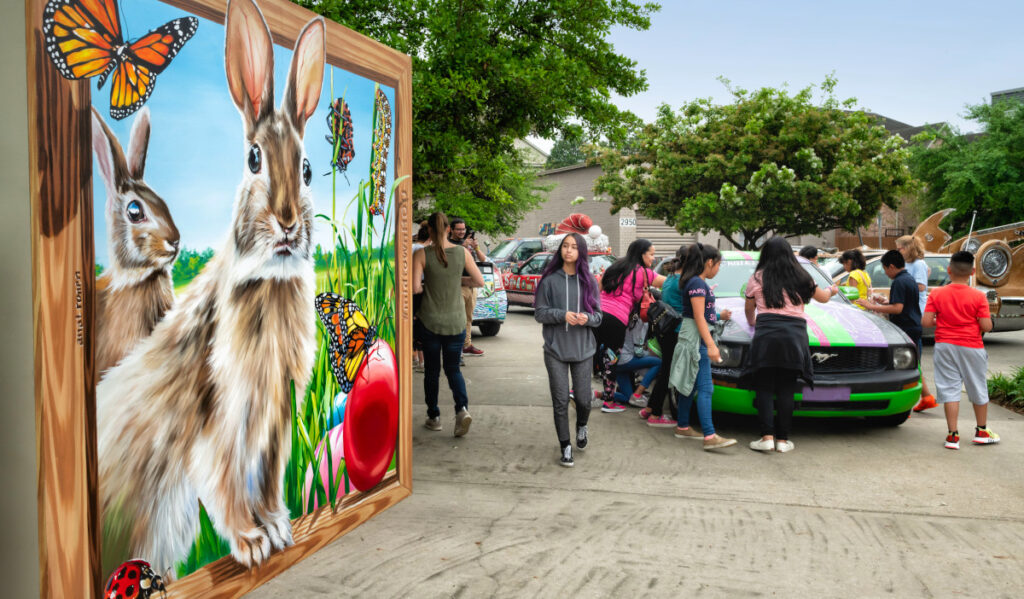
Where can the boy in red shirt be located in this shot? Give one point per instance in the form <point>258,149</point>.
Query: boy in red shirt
<point>960,315</point>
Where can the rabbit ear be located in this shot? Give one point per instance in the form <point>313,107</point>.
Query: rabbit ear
<point>249,61</point>
<point>110,157</point>
<point>306,74</point>
<point>138,143</point>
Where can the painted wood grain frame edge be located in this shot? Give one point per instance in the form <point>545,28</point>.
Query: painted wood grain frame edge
<point>346,48</point>
<point>403,272</point>
<point>63,294</point>
<point>226,578</point>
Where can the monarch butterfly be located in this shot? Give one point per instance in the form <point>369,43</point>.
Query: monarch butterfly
<point>381,143</point>
<point>339,121</point>
<point>83,39</point>
<point>349,335</point>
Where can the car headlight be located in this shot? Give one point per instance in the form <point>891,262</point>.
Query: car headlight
<point>732,355</point>
<point>904,358</point>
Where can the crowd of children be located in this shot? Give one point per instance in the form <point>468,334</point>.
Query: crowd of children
<point>590,326</point>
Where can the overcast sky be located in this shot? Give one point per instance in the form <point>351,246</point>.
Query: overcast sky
<point>916,62</point>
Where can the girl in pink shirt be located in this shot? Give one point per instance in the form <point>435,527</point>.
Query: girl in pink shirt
<point>622,288</point>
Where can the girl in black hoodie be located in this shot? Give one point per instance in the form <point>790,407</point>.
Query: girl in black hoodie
<point>568,304</point>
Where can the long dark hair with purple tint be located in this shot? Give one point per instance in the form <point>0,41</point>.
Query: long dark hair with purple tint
<point>588,286</point>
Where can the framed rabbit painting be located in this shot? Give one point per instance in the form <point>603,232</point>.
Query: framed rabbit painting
<point>221,258</point>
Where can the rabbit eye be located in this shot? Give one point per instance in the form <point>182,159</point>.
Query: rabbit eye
<point>255,158</point>
<point>307,173</point>
<point>135,212</point>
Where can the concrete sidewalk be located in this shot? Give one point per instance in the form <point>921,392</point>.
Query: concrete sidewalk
<point>855,511</point>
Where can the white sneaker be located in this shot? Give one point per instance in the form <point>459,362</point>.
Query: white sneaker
<point>433,424</point>
<point>784,445</point>
<point>763,445</point>
<point>462,422</point>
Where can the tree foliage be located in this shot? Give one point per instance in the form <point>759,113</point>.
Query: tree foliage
<point>486,72</point>
<point>567,151</point>
<point>189,264</point>
<point>974,172</point>
<point>769,162</point>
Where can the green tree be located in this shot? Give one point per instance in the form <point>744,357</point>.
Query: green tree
<point>567,151</point>
<point>769,162</point>
<point>188,264</point>
<point>974,172</point>
<point>486,72</point>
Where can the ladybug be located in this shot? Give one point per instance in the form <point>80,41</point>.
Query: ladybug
<point>134,579</point>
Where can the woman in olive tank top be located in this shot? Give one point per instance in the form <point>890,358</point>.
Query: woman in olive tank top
<point>437,273</point>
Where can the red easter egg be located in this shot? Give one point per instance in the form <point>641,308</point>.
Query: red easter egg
<point>371,418</point>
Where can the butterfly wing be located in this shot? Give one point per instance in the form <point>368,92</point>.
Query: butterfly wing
<point>82,37</point>
<point>349,336</point>
<point>148,56</point>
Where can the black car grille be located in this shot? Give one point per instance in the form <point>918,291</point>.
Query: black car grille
<point>849,359</point>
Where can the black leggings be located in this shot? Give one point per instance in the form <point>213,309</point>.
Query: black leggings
<point>611,334</point>
<point>779,384</point>
<point>667,344</point>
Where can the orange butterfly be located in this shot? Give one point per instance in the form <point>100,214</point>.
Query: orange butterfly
<point>83,39</point>
<point>349,335</point>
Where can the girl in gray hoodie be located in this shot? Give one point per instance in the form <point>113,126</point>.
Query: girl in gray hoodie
<point>568,304</point>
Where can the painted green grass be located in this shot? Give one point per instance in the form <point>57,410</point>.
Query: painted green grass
<point>366,275</point>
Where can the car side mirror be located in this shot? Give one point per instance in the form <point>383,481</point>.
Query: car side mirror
<point>850,293</point>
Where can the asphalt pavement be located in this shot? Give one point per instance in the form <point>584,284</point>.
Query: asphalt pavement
<point>854,511</point>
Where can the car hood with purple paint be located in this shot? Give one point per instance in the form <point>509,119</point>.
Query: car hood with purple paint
<point>835,323</point>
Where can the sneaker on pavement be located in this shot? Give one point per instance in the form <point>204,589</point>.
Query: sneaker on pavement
<point>984,436</point>
<point>763,445</point>
<point>472,351</point>
<point>612,407</point>
<point>638,401</point>
<point>689,433</point>
<point>644,413</point>
<point>662,421</point>
<point>784,445</point>
<point>718,442</point>
<point>927,402</point>
<point>462,422</point>
<point>566,459</point>
<point>953,440</point>
<point>433,424</point>
<point>581,438</point>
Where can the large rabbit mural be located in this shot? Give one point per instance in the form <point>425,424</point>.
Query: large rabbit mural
<point>247,307</point>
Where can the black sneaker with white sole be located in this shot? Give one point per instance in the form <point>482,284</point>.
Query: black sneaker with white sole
<point>566,459</point>
<point>581,437</point>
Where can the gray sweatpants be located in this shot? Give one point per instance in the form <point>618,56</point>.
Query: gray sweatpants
<point>558,380</point>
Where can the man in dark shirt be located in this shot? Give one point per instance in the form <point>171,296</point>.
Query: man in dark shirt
<point>903,308</point>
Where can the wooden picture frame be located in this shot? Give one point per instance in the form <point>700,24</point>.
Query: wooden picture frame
<point>64,292</point>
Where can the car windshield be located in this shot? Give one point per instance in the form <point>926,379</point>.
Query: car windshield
<point>733,276</point>
<point>502,250</point>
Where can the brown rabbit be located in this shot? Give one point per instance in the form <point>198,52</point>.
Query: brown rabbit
<point>200,410</point>
<point>136,290</point>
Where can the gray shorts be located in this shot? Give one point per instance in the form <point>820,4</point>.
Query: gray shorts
<point>957,366</point>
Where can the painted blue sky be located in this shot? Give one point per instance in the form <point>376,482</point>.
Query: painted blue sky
<point>197,149</point>
<point>916,62</point>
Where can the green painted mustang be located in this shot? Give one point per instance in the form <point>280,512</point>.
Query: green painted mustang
<point>863,364</point>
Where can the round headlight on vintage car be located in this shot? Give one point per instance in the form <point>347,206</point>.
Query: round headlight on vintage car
<point>732,355</point>
<point>993,262</point>
<point>904,358</point>
<point>971,245</point>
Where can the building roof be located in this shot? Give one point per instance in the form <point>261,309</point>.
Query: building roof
<point>903,129</point>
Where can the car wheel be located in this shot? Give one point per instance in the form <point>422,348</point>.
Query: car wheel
<point>489,329</point>
<point>890,420</point>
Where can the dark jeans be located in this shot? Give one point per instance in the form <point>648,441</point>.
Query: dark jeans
<point>781,385</point>
<point>449,348</point>
<point>667,344</point>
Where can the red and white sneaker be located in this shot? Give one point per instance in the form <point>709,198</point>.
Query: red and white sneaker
<point>984,436</point>
<point>953,440</point>
<point>612,407</point>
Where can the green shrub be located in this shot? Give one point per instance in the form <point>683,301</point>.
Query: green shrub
<point>1008,390</point>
